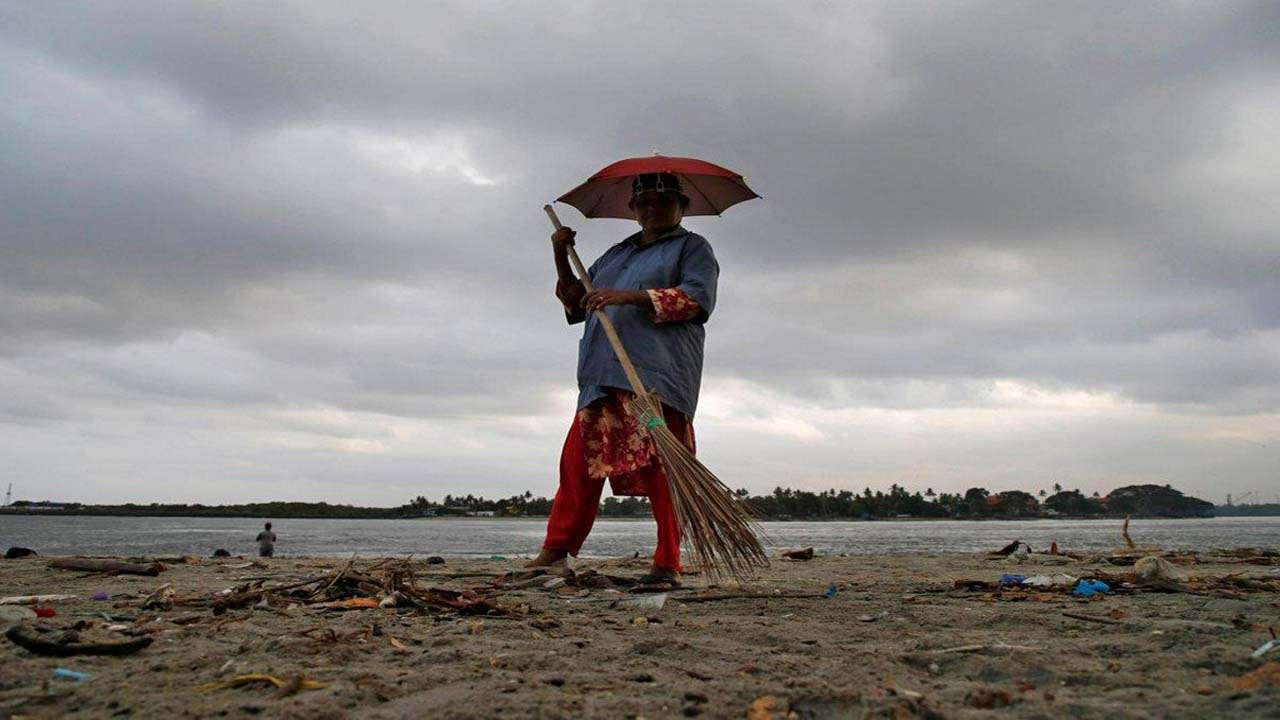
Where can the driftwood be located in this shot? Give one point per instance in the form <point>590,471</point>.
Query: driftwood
<point>106,566</point>
<point>19,636</point>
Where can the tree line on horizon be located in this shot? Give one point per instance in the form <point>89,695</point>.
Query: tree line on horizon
<point>781,504</point>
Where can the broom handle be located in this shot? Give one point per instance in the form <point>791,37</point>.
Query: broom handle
<point>609,329</point>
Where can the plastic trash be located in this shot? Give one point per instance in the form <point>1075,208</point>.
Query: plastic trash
<point>831,591</point>
<point>1045,581</point>
<point>1154,568</point>
<point>33,599</point>
<point>66,674</point>
<point>1266,648</point>
<point>1012,580</point>
<point>1089,588</point>
<point>497,557</point>
<point>100,595</point>
<point>46,612</point>
<point>643,603</point>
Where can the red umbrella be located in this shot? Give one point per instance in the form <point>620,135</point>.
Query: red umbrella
<point>711,188</point>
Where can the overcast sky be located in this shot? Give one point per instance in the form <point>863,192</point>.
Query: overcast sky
<point>295,250</point>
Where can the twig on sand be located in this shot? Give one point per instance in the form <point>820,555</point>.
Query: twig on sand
<point>1092,618</point>
<point>337,576</point>
<point>981,647</point>
<point>1124,533</point>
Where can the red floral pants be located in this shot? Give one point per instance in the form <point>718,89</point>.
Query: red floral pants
<point>578,499</point>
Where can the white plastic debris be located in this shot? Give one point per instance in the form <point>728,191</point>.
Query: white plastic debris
<point>33,599</point>
<point>642,603</point>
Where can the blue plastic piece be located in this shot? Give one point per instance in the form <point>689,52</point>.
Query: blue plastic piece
<point>1089,588</point>
<point>66,674</point>
<point>831,591</point>
<point>1012,579</point>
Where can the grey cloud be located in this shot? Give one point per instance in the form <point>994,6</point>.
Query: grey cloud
<point>229,208</point>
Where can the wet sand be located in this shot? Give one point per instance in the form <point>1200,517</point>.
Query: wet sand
<point>893,641</point>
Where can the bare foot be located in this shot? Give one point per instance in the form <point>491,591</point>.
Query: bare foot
<point>659,575</point>
<point>549,559</point>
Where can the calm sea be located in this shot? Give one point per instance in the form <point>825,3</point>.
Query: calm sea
<point>54,535</point>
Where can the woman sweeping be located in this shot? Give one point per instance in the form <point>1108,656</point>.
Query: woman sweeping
<point>658,287</point>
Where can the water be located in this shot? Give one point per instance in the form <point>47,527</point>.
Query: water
<point>67,535</point>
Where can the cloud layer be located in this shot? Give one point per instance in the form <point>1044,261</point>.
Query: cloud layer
<point>295,250</point>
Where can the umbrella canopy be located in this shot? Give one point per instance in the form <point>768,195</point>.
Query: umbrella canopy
<point>711,188</point>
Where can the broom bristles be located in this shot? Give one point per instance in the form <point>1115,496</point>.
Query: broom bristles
<point>719,525</point>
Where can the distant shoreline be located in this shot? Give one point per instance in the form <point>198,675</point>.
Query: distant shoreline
<point>635,518</point>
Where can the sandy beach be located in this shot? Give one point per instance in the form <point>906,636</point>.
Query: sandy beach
<point>865,636</point>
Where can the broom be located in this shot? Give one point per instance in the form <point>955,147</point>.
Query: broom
<point>719,525</point>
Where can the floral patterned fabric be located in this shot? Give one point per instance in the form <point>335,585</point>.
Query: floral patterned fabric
<point>673,305</point>
<point>619,449</point>
<point>616,446</point>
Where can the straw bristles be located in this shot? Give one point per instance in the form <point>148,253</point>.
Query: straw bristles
<point>718,524</point>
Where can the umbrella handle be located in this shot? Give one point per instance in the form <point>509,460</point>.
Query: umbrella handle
<point>634,377</point>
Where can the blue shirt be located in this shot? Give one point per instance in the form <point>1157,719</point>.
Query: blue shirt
<point>667,356</point>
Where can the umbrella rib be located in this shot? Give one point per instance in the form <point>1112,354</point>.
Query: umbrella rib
<point>694,185</point>
<point>603,195</point>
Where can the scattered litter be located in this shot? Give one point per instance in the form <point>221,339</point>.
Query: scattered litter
<point>33,599</point>
<point>497,557</point>
<point>1089,588</point>
<point>399,646</point>
<point>643,603</point>
<point>805,554</point>
<point>65,674</point>
<point>16,613</point>
<point>160,599</point>
<point>1266,647</point>
<point>1047,581</point>
<point>1012,579</point>
<point>355,603</point>
<point>237,681</point>
<point>100,595</point>
<point>46,612</point>
<point>830,592</point>
<point>1153,568</point>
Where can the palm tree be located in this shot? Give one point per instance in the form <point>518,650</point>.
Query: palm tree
<point>1057,488</point>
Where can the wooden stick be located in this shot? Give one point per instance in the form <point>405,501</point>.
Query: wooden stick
<point>106,566</point>
<point>632,376</point>
<point>19,636</point>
